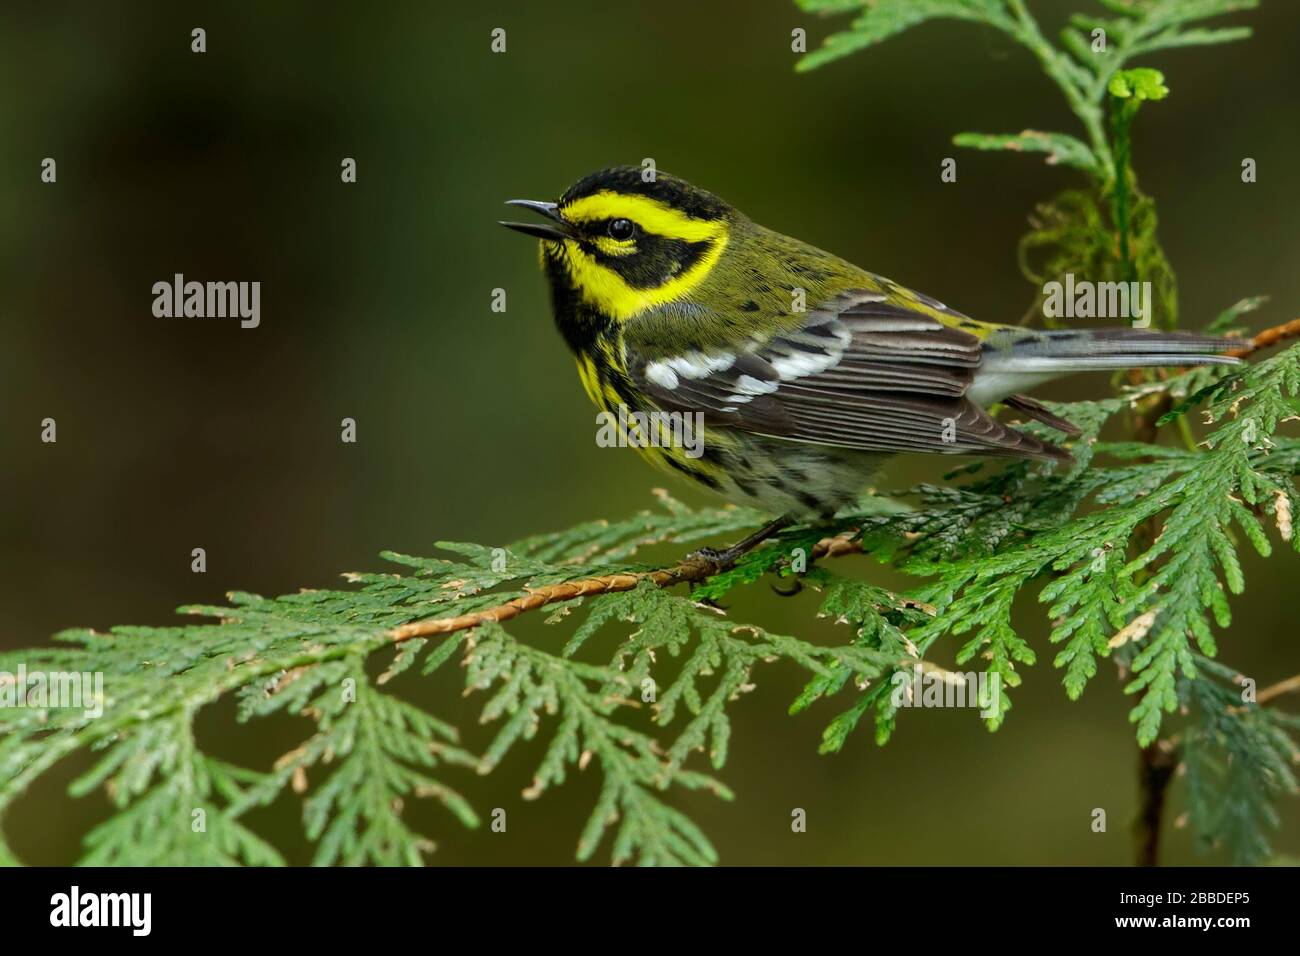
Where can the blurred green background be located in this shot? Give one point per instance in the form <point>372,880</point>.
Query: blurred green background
<point>184,433</point>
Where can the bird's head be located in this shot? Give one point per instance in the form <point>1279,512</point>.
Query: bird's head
<point>622,243</point>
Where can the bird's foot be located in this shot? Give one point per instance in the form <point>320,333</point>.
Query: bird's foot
<point>717,559</point>
<point>721,560</point>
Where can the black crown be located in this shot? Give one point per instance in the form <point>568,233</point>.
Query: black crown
<point>677,193</point>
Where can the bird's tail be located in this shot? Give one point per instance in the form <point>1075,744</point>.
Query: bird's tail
<point>1061,351</point>
<point>1017,360</point>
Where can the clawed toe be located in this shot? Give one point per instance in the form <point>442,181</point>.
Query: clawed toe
<point>712,556</point>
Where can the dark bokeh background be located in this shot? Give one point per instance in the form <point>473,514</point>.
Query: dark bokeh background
<point>181,433</point>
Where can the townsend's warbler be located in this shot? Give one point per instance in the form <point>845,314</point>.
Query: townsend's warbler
<point>805,371</point>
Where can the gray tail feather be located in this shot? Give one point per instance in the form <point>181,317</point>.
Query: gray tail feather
<point>1079,350</point>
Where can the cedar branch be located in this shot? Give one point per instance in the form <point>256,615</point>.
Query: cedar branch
<point>1159,760</point>
<point>692,569</point>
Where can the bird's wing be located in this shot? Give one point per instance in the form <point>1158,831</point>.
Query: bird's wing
<point>868,370</point>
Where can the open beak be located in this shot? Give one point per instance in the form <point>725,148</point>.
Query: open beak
<point>554,231</point>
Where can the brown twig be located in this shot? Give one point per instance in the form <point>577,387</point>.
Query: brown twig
<point>1157,764</point>
<point>1262,340</point>
<point>1290,685</point>
<point>689,571</point>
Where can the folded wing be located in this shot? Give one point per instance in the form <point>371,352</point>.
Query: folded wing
<point>865,371</point>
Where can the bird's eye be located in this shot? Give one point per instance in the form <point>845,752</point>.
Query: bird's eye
<point>621,229</point>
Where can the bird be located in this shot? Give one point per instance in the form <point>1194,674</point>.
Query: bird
<point>804,372</point>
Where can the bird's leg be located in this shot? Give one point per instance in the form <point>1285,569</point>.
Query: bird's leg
<point>729,556</point>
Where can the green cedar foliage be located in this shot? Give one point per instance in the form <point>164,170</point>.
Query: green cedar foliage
<point>971,547</point>
<point>1152,597</point>
<point>1133,552</point>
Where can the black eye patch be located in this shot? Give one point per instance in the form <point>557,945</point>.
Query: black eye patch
<point>655,261</point>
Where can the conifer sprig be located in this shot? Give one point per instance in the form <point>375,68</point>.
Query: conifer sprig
<point>972,547</point>
<point>1133,551</point>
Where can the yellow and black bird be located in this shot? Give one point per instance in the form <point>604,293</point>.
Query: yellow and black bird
<point>807,370</point>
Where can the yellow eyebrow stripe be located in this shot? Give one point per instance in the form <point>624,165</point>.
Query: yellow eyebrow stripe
<point>650,214</point>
